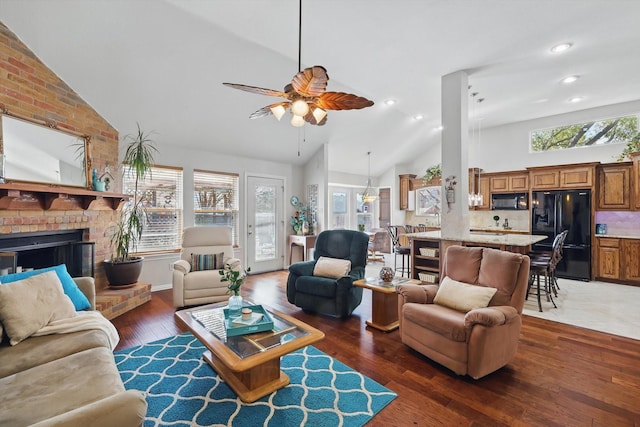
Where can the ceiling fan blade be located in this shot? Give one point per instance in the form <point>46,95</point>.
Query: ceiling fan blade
<point>266,110</point>
<point>342,101</point>
<point>311,81</point>
<point>258,90</point>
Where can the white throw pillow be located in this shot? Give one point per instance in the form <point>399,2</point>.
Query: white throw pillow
<point>334,268</point>
<point>28,305</point>
<point>463,296</point>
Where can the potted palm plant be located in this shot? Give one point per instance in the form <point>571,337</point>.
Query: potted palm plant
<point>123,268</point>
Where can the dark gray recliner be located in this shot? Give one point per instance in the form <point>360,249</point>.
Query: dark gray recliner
<point>336,297</point>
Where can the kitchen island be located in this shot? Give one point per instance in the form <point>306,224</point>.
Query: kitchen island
<point>427,248</point>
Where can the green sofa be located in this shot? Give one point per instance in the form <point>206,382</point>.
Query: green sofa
<point>332,296</point>
<point>67,379</point>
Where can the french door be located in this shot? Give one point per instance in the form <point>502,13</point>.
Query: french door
<point>265,223</point>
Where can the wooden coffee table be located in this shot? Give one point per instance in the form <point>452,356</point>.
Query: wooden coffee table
<point>384,301</point>
<point>249,364</point>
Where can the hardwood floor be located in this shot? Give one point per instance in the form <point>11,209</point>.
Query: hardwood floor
<point>562,375</point>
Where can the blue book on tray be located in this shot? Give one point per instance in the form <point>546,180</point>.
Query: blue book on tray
<point>260,321</point>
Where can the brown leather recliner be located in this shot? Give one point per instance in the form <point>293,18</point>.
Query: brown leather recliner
<point>482,340</point>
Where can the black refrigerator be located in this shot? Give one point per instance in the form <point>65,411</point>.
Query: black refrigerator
<point>555,211</point>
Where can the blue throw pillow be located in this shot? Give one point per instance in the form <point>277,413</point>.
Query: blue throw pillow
<point>80,301</point>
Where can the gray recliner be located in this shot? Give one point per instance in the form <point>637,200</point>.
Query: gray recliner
<point>335,297</point>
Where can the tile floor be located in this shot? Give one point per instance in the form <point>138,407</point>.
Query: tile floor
<point>605,307</point>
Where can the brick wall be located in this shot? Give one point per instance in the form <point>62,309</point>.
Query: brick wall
<point>28,88</point>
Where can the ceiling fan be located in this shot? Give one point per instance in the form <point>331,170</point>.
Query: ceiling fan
<point>305,95</point>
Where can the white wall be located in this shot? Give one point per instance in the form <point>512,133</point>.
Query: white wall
<point>511,142</point>
<point>506,148</point>
<point>156,268</point>
<point>315,172</point>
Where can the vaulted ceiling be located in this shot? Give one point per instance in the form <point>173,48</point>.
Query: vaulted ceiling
<point>162,63</point>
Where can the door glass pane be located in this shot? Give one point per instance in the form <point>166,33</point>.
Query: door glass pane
<point>339,212</point>
<point>265,222</point>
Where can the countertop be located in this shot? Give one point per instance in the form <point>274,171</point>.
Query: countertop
<point>618,236</point>
<point>493,239</point>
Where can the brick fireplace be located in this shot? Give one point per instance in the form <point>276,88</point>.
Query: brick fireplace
<point>29,89</point>
<point>43,249</point>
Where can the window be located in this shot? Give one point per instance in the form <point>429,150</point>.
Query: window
<point>348,209</point>
<point>216,200</point>
<point>162,197</point>
<point>597,132</point>
<point>364,212</point>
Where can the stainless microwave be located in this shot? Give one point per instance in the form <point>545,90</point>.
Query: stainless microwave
<point>510,201</point>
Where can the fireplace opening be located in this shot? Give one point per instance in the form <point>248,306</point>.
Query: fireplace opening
<point>21,251</point>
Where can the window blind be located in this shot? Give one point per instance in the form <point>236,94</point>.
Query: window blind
<point>216,200</point>
<point>161,193</point>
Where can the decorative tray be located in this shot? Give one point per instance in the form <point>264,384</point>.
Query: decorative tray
<point>235,326</point>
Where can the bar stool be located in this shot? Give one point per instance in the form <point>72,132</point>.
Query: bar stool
<point>545,264</point>
<point>399,249</point>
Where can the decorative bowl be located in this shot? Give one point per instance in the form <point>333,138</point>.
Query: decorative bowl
<point>387,274</point>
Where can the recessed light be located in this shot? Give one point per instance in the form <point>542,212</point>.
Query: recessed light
<point>390,101</point>
<point>575,99</point>
<point>438,128</point>
<point>561,47</point>
<point>418,117</point>
<point>569,79</point>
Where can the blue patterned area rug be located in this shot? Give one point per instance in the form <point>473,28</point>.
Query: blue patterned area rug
<point>183,390</point>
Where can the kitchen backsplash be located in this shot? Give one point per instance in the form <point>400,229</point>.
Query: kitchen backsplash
<point>478,220</point>
<point>620,223</point>
<point>518,220</point>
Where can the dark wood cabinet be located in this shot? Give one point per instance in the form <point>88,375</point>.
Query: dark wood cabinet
<point>545,179</point>
<point>581,175</point>
<point>630,254</point>
<point>635,182</point>
<point>576,177</point>
<point>608,258</point>
<point>510,182</point>
<point>404,188</point>
<point>614,187</point>
<point>618,260</point>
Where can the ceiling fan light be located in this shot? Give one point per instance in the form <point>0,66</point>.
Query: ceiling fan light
<point>319,114</point>
<point>297,121</point>
<point>300,108</point>
<point>278,111</point>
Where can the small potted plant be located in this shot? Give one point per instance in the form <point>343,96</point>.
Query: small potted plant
<point>234,279</point>
<point>496,218</point>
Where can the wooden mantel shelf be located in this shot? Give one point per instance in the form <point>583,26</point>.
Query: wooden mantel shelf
<point>25,196</point>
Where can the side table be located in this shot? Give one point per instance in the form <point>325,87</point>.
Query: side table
<point>305,242</point>
<point>384,301</point>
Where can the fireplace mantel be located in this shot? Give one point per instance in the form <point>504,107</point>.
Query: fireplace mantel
<point>26,196</point>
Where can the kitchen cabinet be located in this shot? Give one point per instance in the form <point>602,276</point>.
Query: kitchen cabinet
<point>614,186</point>
<point>608,258</point>
<point>509,182</point>
<point>545,179</point>
<point>563,177</point>
<point>484,186</point>
<point>577,177</point>
<point>618,259</point>
<point>405,186</point>
<point>630,254</point>
<point>635,183</point>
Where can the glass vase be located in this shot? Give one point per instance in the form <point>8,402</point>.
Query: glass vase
<point>235,305</point>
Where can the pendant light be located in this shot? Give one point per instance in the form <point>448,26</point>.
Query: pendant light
<point>369,194</point>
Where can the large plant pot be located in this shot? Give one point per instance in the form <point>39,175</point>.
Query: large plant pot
<point>123,273</point>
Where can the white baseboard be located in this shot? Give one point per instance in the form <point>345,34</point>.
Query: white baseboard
<point>161,287</point>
